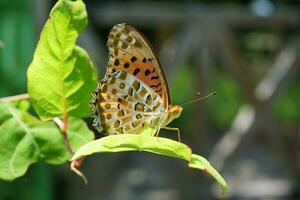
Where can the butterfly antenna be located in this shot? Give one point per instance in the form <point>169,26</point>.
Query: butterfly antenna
<point>199,99</point>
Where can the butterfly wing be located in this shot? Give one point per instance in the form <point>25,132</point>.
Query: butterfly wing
<point>129,51</point>
<point>124,104</point>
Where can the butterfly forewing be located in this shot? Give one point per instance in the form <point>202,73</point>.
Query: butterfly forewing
<point>130,52</point>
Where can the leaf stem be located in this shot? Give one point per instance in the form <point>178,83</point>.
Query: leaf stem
<point>74,167</point>
<point>15,98</point>
<point>63,128</point>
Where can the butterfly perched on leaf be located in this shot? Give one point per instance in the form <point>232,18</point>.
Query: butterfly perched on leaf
<point>134,93</point>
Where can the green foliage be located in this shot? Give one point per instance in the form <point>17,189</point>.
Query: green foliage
<point>157,145</point>
<point>61,74</point>
<point>286,107</point>
<point>178,89</point>
<point>60,79</point>
<point>225,104</point>
<point>25,140</point>
<point>17,31</point>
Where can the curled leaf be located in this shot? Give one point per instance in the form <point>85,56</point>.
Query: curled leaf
<point>145,142</point>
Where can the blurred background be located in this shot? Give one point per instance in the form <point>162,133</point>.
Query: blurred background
<point>246,51</point>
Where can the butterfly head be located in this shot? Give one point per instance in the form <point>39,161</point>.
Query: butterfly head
<point>175,111</point>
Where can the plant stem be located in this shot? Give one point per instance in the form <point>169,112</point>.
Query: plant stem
<point>74,167</point>
<point>63,128</point>
<point>14,98</point>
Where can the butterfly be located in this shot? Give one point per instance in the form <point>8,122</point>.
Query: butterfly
<point>134,93</point>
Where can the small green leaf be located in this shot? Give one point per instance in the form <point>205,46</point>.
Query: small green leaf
<point>24,141</point>
<point>61,76</point>
<point>145,142</point>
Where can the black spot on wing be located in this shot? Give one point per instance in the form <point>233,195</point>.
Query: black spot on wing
<point>136,71</point>
<point>133,59</point>
<point>117,62</point>
<point>155,86</point>
<point>158,90</point>
<point>154,77</point>
<point>147,72</point>
<point>126,65</point>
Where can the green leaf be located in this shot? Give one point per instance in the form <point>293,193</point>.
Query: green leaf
<point>130,142</point>
<point>61,76</point>
<point>145,142</point>
<point>24,142</point>
<point>5,114</point>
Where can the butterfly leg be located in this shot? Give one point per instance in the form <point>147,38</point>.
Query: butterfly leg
<point>174,129</point>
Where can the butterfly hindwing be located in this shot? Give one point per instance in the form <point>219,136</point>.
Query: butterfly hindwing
<point>124,104</point>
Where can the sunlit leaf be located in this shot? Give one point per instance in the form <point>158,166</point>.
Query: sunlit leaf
<point>61,75</point>
<point>145,142</point>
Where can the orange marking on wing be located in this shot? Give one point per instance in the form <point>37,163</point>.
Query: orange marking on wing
<point>143,71</point>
